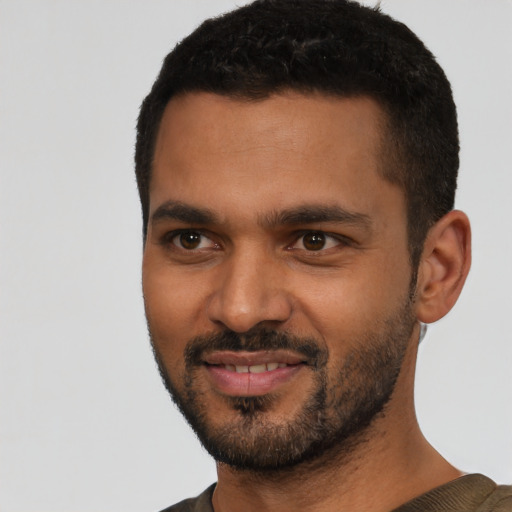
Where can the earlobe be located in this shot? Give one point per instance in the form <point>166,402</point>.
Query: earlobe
<point>444,266</point>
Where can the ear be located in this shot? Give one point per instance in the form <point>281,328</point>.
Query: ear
<point>444,266</point>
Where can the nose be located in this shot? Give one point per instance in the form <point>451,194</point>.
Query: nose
<point>251,290</point>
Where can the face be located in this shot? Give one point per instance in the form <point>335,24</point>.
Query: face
<point>276,273</point>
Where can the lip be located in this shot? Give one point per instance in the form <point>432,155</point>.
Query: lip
<point>231,383</point>
<point>246,358</point>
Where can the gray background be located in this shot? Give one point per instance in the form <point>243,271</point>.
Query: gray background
<point>85,424</point>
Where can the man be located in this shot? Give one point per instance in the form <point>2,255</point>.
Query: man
<point>297,166</point>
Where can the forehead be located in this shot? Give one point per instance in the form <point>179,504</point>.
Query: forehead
<point>286,147</point>
<point>289,119</point>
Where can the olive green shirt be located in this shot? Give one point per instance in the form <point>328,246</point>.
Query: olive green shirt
<point>470,493</point>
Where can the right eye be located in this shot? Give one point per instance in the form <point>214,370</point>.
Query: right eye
<point>192,241</point>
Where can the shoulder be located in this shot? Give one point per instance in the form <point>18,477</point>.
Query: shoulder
<point>500,500</point>
<point>201,503</point>
<point>469,493</point>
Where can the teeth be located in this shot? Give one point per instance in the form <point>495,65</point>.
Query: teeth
<point>258,368</point>
<point>255,368</point>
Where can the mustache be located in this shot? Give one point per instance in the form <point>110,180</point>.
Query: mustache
<point>256,339</point>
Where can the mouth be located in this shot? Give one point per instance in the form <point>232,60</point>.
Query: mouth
<point>251,373</point>
<point>255,368</point>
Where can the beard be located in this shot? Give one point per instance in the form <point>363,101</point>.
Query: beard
<point>334,418</point>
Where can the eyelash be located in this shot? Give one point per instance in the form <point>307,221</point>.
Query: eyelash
<point>338,239</point>
<point>171,238</point>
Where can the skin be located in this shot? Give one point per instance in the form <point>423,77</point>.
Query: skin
<point>246,162</point>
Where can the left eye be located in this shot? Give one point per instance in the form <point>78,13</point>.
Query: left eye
<point>192,240</point>
<point>315,241</point>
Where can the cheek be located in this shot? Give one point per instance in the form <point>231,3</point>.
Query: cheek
<point>344,307</point>
<point>173,307</point>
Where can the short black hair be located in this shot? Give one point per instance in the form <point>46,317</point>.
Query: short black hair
<point>335,47</point>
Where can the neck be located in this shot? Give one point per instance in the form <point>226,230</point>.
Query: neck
<point>391,459</point>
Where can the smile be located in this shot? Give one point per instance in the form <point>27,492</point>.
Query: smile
<point>251,373</point>
<point>255,368</point>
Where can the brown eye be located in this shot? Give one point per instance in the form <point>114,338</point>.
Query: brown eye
<point>190,240</point>
<point>314,241</point>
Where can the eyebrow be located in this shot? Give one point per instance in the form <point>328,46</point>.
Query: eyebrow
<point>311,214</point>
<point>300,215</point>
<point>175,210</point>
